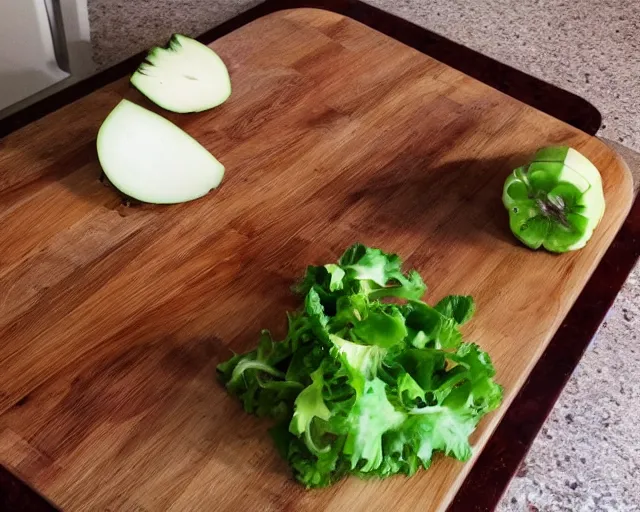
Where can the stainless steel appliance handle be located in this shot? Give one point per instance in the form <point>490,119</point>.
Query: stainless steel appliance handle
<point>56,25</point>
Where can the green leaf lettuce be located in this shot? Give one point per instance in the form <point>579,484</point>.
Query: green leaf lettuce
<point>362,385</point>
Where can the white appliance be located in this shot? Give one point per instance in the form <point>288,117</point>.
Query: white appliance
<point>44,46</point>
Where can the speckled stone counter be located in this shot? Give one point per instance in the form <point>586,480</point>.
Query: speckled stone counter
<point>587,456</point>
<point>121,28</point>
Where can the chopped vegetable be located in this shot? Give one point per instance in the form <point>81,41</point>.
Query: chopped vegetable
<point>363,386</point>
<point>152,160</point>
<point>556,201</point>
<point>186,76</point>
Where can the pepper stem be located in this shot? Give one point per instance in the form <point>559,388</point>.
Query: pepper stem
<point>554,208</point>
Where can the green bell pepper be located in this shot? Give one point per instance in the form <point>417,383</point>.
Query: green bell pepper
<point>556,201</point>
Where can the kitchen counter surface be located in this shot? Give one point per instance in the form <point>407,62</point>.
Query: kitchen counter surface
<point>587,456</point>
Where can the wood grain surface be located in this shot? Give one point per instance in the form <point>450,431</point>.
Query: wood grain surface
<point>112,318</point>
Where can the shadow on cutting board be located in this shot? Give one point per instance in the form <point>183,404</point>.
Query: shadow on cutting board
<point>456,201</point>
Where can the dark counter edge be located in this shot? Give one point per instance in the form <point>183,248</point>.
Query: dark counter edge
<point>17,496</point>
<point>507,447</point>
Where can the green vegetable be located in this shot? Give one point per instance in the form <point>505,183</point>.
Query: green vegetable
<point>556,201</point>
<point>152,160</point>
<point>186,76</point>
<point>363,386</point>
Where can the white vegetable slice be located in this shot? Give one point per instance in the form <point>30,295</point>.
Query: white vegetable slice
<point>187,76</point>
<point>152,160</point>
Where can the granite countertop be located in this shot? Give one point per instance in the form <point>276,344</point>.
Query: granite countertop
<point>587,456</point>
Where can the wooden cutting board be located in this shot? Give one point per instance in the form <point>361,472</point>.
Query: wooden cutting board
<point>113,318</point>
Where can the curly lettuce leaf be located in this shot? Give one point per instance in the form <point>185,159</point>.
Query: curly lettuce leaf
<point>382,328</point>
<point>361,361</point>
<point>361,269</point>
<point>365,387</point>
<point>381,274</point>
<point>308,406</point>
<point>256,380</point>
<point>372,415</point>
<point>438,331</point>
<point>459,307</point>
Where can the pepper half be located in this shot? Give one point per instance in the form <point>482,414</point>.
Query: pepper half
<point>556,201</point>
